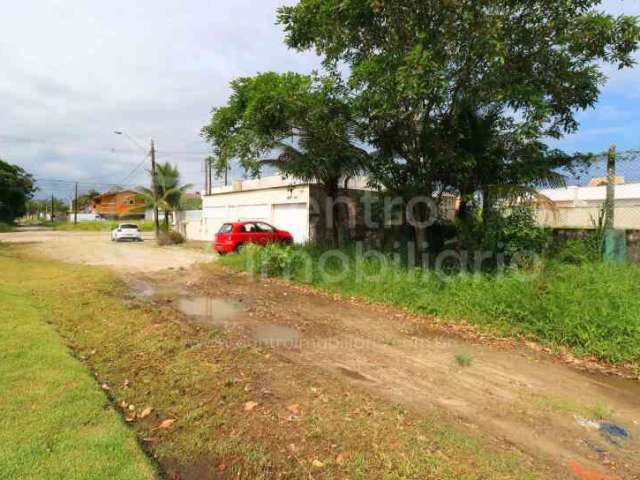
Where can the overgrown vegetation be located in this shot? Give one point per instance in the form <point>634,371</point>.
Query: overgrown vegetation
<point>197,378</point>
<point>590,307</point>
<point>5,227</point>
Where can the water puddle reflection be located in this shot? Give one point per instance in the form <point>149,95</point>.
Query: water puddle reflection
<point>213,311</point>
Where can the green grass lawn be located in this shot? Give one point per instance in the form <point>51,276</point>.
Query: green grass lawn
<point>55,421</point>
<point>101,226</point>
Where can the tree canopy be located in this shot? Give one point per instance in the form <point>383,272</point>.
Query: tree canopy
<point>16,188</point>
<point>420,70</point>
<point>301,124</point>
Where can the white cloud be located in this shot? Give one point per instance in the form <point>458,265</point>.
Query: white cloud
<point>75,70</point>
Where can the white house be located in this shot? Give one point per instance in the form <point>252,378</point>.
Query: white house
<point>579,207</point>
<point>288,204</point>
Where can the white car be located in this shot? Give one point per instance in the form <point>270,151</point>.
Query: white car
<point>126,231</point>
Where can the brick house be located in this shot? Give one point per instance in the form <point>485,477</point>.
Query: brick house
<point>124,204</point>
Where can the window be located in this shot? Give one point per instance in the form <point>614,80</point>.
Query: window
<point>129,226</point>
<point>226,228</point>
<point>249,228</point>
<point>265,227</point>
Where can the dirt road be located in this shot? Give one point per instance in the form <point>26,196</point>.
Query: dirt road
<point>96,248</point>
<point>582,424</point>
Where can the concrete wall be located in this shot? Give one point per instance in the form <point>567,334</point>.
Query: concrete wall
<point>83,217</point>
<point>579,207</point>
<point>226,205</point>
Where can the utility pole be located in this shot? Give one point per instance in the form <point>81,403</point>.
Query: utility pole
<point>206,176</point>
<point>226,171</point>
<point>154,185</point>
<point>611,189</point>
<point>209,175</point>
<point>75,206</point>
<point>53,215</point>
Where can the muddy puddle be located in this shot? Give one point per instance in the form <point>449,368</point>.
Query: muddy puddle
<point>146,290</point>
<point>276,336</point>
<point>213,311</point>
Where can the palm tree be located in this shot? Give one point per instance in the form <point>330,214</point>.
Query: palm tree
<point>168,189</point>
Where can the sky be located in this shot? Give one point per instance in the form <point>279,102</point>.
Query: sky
<point>74,71</point>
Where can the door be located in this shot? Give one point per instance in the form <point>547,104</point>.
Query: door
<point>294,218</point>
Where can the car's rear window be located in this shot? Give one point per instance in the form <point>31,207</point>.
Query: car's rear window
<point>226,228</point>
<point>129,226</point>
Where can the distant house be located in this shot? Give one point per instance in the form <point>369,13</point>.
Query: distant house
<point>124,204</point>
<point>580,207</point>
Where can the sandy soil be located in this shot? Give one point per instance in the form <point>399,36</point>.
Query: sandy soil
<point>550,411</point>
<point>96,248</point>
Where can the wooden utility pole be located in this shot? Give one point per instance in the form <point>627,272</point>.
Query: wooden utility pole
<point>611,189</point>
<point>209,175</point>
<point>75,206</point>
<point>154,186</point>
<point>207,178</point>
<point>53,215</point>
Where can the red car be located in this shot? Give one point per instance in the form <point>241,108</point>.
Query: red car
<point>232,236</point>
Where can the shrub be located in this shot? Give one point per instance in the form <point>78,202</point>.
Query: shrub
<point>5,227</point>
<point>170,238</point>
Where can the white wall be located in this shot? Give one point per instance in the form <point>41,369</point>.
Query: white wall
<point>255,204</point>
<point>84,217</point>
<point>580,207</point>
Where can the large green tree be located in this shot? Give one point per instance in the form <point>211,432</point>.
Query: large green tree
<point>16,188</point>
<point>301,124</point>
<point>414,65</point>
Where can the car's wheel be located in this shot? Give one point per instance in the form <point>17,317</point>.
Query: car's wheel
<point>238,247</point>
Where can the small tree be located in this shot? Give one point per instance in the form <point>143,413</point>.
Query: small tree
<point>169,191</point>
<point>300,124</point>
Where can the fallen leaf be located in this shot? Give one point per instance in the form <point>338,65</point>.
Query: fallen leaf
<point>250,406</point>
<point>125,384</point>
<point>317,463</point>
<point>166,423</point>
<point>295,409</point>
<point>340,458</point>
<point>106,387</point>
<point>132,407</point>
<point>146,412</point>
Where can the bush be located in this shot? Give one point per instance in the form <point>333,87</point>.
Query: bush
<point>273,260</point>
<point>170,238</point>
<point>518,232</point>
<point>5,227</point>
<point>579,251</point>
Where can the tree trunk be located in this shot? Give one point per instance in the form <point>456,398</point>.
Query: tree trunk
<point>331,189</point>
<point>487,206</point>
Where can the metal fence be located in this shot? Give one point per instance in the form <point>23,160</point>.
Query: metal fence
<point>606,196</point>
